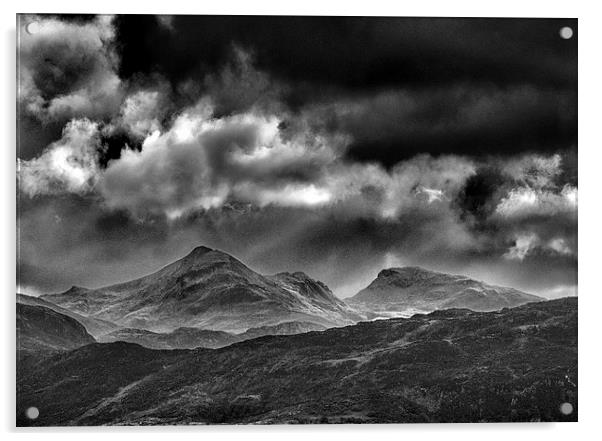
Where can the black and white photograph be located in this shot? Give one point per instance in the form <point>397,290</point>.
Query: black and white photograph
<point>289,219</point>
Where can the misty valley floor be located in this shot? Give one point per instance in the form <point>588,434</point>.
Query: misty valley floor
<point>456,365</point>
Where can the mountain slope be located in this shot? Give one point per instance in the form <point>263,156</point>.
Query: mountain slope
<point>42,329</point>
<point>181,338</point>
<point>212,290</point>
<point>516,364</point>
<point>96,327</point>
<point>412,289</point>
<point>286,328</point>
<point>190,338</point>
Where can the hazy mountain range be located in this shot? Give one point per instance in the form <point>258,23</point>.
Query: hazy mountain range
<point>189,338</point>
<point>208,340</point>
<point>209,289</point>
<point>210,299</point>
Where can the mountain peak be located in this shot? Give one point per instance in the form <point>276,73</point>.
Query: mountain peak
<point>76,290</point>
<point>206,257</point>
<point>412,287</point>
<point>407,271</point>
<point>296,275</point>
<point>199,251</point>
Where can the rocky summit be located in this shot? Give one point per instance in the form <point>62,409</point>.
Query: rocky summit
<point>413,289</point>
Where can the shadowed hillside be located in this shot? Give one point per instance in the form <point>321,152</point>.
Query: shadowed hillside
<point>42,329</point>
<point>454,365</point>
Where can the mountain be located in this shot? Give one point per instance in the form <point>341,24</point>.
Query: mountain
<point>42,329</point>
<point>403,291</point>
<point>209,289</point>
<point>181,338</point>
<point>286,328</point>
<point>190,338</point>
<point>96,327</point>
<point>455,365</point>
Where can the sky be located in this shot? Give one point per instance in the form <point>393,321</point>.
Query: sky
<point>334,146</point>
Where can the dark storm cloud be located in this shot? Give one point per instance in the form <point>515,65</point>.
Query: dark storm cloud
<point>413,85</point>
<point>68,69</point>
<point>480,194</point>
<point>436,85</point>
<point>356,52</point>
<point>466,120</point>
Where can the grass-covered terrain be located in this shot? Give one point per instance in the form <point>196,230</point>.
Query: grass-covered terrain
<point>517,364</point>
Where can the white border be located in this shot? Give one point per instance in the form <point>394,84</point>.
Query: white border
<point>590,310</point>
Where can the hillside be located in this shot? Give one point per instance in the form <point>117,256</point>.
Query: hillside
<point>96,327</point>
<point>190,338</point>
<point>455,365</point>
<point>42,329</point>
<point>181,338</point>
<point>286,328</point>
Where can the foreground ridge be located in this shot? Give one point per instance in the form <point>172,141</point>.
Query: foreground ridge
<point>517,364</point>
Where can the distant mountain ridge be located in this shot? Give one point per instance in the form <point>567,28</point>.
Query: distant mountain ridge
<point>286,328</point>
<point>209,289</point>
<point>191,338</point>
<point>418,289</point>
<point>180,338</point>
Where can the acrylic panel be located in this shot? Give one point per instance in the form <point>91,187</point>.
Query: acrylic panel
<point>284,220</point>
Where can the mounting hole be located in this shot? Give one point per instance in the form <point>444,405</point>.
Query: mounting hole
<point>566,32</point>
<point>32,413</point>
<point>566,408</point>
<point>32,28</point>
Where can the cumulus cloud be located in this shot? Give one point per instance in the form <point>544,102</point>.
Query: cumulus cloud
<point>390,193</point>
<point>525,202</point>
<point>69,165</point>
<point>68,69</point>
<point>524,244</point>
<point>201,161</point>
<point>432,194</point>
<point>535,190</point>
<point>139,112</point>
<point>529,243</point>
<point>560,246</point>
<point>534,171</point>
<point>291,195</point>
